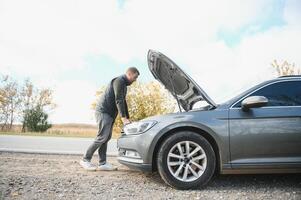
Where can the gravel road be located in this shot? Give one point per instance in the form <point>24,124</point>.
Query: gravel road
<point>38,176</point>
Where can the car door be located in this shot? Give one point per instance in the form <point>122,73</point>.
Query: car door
<point>269,136</point>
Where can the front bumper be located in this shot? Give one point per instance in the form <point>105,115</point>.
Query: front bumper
<point>135,151</point>
<point>135,165</point>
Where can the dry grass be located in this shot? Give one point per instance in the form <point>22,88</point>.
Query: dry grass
<point>63,130</point>
<point>79,130</point>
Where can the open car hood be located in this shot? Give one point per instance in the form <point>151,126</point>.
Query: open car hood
<point>176,81</point>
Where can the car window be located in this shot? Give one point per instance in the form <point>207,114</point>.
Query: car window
<point>280,94</point>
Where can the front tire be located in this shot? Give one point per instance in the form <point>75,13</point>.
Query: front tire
<point>186,160</point>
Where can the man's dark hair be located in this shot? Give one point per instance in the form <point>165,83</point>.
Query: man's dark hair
<point>133,70</point>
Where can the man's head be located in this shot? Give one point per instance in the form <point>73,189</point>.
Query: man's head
<point>132,74</point>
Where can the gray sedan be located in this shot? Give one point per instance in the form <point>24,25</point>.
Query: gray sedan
<point>258,131</point>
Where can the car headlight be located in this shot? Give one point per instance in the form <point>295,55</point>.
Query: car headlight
<point>138,127</point>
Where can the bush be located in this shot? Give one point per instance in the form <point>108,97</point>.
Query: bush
<point>35,119</point>
<point>144,100</point>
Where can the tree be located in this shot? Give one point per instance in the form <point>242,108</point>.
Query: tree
<point>34,103</point>
<point>10,102</point>
<point>3,103</point>
<point>144,100</point>
<point>286,68</point>
<point>17,101</point>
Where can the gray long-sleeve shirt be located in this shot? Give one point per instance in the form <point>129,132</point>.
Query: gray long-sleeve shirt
<point>113,100</point>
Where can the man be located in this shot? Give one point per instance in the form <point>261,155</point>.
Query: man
<point>111,102</point>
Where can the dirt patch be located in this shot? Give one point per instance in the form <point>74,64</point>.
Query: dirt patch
<point>37,176</point>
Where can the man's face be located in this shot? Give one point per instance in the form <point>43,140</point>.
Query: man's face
<point>132,77</point>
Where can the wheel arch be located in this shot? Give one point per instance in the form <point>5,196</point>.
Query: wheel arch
<point>201,131</point>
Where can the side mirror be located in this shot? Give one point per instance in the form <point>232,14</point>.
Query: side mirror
<point>253,102</point>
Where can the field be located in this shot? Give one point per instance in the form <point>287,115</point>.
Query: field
<point>62,130</point>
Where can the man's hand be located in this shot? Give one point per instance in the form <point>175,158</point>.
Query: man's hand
<point>125,121</point>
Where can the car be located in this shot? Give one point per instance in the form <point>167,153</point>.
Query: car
<point>258,131</point>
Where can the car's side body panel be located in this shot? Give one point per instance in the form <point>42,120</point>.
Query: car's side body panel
<point>265,138</point>
<point>268,136</point>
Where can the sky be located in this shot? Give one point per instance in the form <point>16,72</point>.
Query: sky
<point>76,46</point>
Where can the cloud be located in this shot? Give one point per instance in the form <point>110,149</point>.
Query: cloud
<point>223,71</point>
<point>74,99</point>
<point>292,12</point>
<point>235,69</point>
<point>47,40</point>
<point>56,35</point>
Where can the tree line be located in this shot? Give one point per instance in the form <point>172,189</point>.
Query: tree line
<point>24,104</point>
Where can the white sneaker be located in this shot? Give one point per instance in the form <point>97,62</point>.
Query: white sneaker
<point>87,165</point>
<point>106,167</point>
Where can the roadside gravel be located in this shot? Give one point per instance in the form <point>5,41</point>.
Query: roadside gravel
<point>38,176</point>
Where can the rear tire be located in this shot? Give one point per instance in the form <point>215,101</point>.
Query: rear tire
<point>186,160</point>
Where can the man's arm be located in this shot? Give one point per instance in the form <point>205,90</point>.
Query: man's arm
<point>127,110</point>
<point>120,100</point>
